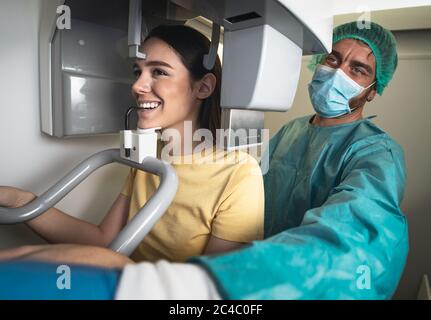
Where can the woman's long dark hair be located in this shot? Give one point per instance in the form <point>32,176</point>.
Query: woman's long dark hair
<point>191,47</point>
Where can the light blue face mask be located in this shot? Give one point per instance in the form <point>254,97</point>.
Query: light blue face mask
<point>331,90</point>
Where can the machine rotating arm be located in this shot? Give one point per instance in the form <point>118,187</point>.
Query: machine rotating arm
<point>130,237</point>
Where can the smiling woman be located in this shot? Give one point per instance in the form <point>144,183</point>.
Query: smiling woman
<point>218,207</point>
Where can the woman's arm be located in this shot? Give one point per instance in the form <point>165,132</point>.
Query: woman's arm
<point>56,226</point>
<point>217,245</point>
<point>240,216</point>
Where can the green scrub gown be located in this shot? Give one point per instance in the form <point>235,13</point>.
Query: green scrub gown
<point>333,224</point>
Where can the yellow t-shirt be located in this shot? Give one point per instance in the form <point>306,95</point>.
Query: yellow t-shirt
<point>224,199</point>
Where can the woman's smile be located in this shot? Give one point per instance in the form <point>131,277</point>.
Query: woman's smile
<point>145,112</point>
<point>149,104</point>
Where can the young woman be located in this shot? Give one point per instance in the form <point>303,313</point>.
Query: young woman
<point>219,204</point>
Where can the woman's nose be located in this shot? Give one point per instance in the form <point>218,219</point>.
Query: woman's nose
<point>142,85</point>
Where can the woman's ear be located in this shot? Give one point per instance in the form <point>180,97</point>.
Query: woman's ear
<point>206,86</point>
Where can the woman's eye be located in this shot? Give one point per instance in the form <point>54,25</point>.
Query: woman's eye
<point>136,73</point>
<point>159,72</point>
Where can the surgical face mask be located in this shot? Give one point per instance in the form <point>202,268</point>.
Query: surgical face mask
<point>331,90</point>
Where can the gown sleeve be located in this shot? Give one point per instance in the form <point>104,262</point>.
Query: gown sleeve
<point>354,246</point>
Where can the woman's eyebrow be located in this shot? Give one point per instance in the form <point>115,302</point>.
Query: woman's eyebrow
<point>152,64</point>
<point>158,63</point>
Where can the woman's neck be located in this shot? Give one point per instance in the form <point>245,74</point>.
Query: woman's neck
<point>180,138</point>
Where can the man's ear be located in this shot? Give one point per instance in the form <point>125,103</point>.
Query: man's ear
<point>206,86</point>
<point>371,95</point>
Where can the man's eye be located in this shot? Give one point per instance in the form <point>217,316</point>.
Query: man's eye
<point>358,70</point>
<point>332,61</point>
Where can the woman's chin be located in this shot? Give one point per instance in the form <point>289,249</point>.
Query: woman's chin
<point>147,125</point>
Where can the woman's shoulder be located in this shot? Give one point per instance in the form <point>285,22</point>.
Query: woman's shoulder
<point>244,166</point>
<point>237,158</point>
<point>246,158</point>
<point>245,174</point>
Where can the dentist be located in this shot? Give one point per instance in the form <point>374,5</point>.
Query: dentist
<point>333,224</point>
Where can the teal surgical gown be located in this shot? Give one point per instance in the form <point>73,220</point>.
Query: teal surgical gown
<point>333,224</point>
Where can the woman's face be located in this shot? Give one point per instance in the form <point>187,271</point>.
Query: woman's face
<point>163,89</point>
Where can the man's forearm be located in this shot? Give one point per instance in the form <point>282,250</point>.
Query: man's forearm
<point>76,254</point>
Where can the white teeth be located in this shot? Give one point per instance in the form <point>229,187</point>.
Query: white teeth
<point>149,105</point>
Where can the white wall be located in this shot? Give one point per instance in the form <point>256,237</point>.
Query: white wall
<point>29,159</point>
<point>404,111</point>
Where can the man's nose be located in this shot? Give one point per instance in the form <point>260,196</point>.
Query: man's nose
<point>345,67</point>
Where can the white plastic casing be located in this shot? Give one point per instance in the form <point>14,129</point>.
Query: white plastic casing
<point>261,69</point>
<point>316,15</point>
<point>141,142</point>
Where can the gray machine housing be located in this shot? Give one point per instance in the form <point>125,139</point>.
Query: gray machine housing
<point>86,72</point>
<point>90,81</point>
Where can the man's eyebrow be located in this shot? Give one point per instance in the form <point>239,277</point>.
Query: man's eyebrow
<point>355,63</point>
<point>367,67</point>
<point>152,64</point>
